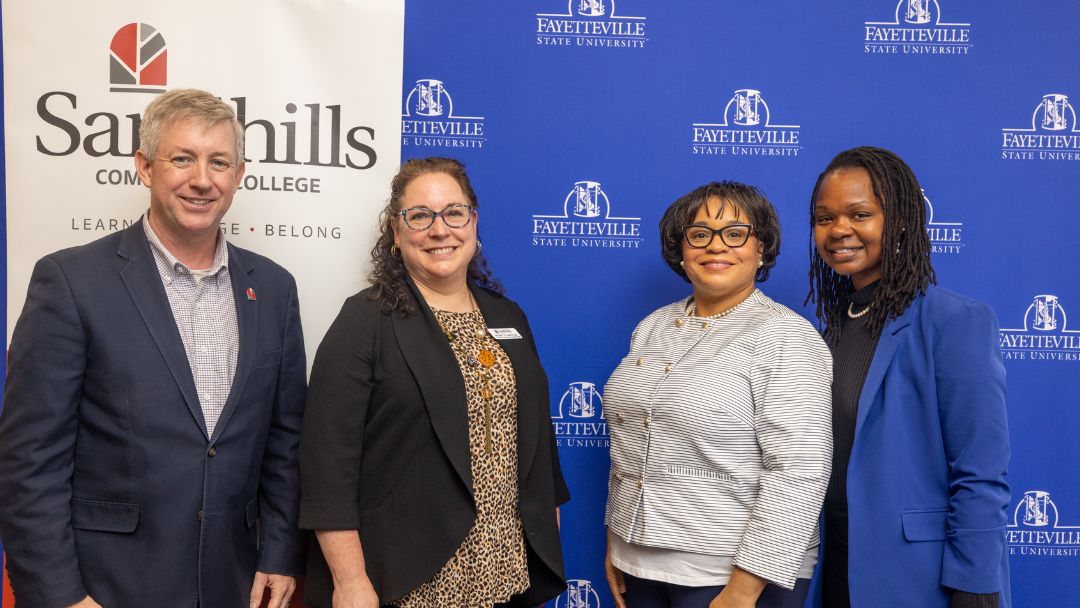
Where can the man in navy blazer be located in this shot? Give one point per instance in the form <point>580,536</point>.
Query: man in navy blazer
<point>156,381</point>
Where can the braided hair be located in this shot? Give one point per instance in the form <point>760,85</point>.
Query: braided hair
<point>905,247</point>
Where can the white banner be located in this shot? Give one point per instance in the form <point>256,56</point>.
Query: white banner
<point>317,85</point>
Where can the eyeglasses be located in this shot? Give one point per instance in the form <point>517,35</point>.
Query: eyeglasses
<point>732,235</point>
<point>421,218</point>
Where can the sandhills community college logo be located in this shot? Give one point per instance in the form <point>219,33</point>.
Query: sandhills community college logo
<point>1053,134</point>
<point>917,29</point>
<point>138,60</point>
<point>1044,335</point>
<point>590,23</point>
<point>429,119</point>
<point>579,594</point>
<point>586,221</point>
<point>579,418</point>
<point>1036,529</point>
<point>945,237</point>
<point>746,130</point>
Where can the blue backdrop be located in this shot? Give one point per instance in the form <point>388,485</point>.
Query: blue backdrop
<point>571,109</point>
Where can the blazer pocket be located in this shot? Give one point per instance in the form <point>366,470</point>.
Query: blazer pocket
<point>251,510</point>
<point>924,524</point>
<point>104,516</point>
<point>680,470</point>
<point>269,359</point>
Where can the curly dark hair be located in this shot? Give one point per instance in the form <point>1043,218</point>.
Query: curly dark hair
<point>744,199</point>
<point>388,271</point>
<point>906,272</point>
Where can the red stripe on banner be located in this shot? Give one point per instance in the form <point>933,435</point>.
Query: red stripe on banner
<point>6,599</point>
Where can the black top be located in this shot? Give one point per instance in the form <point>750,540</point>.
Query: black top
<point>852,356</point>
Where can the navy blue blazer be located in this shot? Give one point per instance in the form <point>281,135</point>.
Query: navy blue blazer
<point>111,486</point>
<point>926,489</point>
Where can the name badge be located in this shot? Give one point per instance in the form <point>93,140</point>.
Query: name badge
<point>504,333</point>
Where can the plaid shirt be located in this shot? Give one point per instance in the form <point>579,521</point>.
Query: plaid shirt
<point>204,309</point>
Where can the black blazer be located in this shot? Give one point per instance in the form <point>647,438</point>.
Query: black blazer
<point>384,448</point>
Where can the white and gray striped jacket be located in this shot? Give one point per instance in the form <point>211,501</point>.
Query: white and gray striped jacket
<point>721,436</point>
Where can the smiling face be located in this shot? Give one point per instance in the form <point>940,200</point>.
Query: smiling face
<point>192,179</point>
<point>438,257</point>
<point>848,225</point>
<point>722,276</point>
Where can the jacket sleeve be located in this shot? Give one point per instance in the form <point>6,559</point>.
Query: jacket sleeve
<point>791,383</point>
<point>970,378</point>
<point>281,547</point>
<point>38,428</point>
<point>337,405</point>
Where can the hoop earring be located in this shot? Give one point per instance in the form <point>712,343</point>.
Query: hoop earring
<point>394,251</point>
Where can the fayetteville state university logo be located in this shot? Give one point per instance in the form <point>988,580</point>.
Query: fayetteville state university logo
<point>745,130</point>
<point>579,418</point>
<point>945,237</point>
<point>586,221</point>
<point>579,594</point>
<point>592,23</point>
<point>916,29</point>
<point>1044,335</point>
<point>1036,528</point>
<point>138,60</point>
<point>1052,135</point>
<point>429,119</point>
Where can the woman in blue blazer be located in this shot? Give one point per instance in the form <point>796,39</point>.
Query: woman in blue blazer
<point>915,510</point>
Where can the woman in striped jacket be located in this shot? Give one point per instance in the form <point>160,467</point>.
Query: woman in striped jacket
<point>720,424</point>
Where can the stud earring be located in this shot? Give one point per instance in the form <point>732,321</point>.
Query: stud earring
<point>760,263</point>
<point>682,264</point>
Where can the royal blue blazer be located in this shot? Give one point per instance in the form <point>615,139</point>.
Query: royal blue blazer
<point>926,488</point>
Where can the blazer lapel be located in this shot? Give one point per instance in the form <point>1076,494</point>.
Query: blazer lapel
<point>883,356</point>
<point>427,353</point>
<point>524,361</point>
<point>143,282</point>
<point>247,322</point>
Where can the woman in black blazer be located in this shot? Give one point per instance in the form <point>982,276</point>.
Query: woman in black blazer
<point>428,466</point>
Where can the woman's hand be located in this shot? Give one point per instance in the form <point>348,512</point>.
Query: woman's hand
<point>614,578</point>
<point>742,590</point>
<point>358,594</point>
<point>729,600</point>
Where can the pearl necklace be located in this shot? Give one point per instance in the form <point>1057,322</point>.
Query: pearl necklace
<point>692,312</point>
<point>855,315</point>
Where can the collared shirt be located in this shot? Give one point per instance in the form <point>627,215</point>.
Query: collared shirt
<point>204,309</point>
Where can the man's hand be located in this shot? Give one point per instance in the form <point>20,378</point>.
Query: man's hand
<point>87,602</point>
<point>281,589</point>
<point>355,594</point>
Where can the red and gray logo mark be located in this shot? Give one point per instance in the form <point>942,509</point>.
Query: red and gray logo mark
<point>137,60</point>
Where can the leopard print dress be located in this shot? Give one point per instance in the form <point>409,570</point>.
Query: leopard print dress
<point>490,565</point>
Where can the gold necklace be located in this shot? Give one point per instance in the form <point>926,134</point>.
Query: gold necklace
<point>484,360</point>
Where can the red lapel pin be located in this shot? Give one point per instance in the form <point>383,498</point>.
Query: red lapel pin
<point>251,294</point>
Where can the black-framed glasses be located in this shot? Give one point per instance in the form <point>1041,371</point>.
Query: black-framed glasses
<point>421,218</point>
<point>732,235</point>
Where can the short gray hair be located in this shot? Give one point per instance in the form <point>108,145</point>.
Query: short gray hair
<point>185,104</point>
